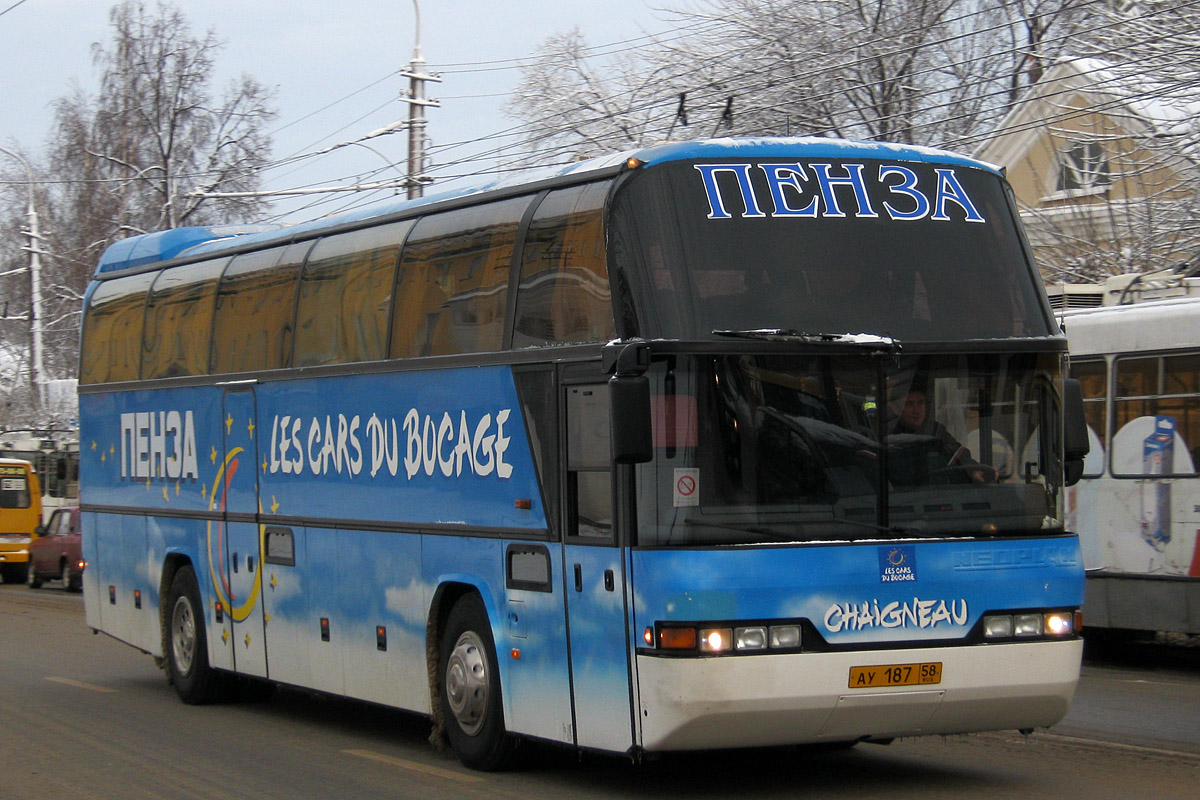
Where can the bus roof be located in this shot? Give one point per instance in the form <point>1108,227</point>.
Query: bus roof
<point>154,248</point>
<point>1148,326</point>
<point>15,462</point>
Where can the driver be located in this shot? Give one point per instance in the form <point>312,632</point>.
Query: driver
<point>913,417</point>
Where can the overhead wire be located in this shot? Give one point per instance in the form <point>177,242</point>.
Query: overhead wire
<point>752,87</point>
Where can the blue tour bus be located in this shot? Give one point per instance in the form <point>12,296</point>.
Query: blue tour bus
<point>712,444</point>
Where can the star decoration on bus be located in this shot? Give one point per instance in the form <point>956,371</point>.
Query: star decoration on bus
<point>228,424</point>
<point>250,428</point>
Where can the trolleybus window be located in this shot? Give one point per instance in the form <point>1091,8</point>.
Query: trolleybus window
<point>1093,379</point>
<point>1165,387</point>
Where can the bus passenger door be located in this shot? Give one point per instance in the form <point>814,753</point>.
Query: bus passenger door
<point>238,581</point>
<point>595,577</point>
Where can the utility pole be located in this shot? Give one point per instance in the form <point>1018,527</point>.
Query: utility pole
<point>416,114</point>
<point>37,358</point>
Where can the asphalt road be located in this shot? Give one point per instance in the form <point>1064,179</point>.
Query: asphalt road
<point>85,716</point>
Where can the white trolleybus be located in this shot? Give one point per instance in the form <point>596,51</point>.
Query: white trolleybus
<point>1137,508</point>
<point>713,444</point>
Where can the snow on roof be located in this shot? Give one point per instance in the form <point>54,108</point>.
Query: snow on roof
<point>1171,107</point>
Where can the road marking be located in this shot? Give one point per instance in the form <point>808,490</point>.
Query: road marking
<point>1133,748</point>
<point>91,687</point>
<point>415,766</point>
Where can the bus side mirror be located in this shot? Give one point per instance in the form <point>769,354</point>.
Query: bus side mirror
<point>629,399</point>
<point>1076,444</point>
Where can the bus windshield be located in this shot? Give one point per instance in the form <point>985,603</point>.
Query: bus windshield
<point>762,448</point>
<point>911,251</point>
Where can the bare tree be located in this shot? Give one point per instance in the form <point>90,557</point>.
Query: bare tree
<point>918,71</point>
<point>127,160</point>
<point>154,132</point>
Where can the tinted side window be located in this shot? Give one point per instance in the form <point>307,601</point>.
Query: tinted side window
<point>345,296</point>
<point>179,320</point>
<point>256,303</point>
<point>112,330</point>
<point>564,294</point>
<point>452,285</point>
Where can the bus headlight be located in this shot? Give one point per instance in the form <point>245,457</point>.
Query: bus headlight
<point>1060,623</point>
<point>753,638</point>
<point>715,640</point>
<point>718,638</point>
<point>1030,625</point>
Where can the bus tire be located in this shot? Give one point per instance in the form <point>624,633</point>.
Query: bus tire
<point>195,681</point>
<point>470,688</point>
<point>15,573</point>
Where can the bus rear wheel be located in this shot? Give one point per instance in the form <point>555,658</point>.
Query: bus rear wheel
<point>470,688</point>
<point>195,681</point>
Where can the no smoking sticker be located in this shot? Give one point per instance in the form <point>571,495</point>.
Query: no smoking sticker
<point>687,487</point>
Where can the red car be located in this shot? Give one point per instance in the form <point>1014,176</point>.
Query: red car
<point>55,553</point>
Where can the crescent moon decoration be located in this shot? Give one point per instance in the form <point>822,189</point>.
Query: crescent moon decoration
<point>224,592</point>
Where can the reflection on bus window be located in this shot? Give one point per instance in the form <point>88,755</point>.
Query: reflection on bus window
<point>179,314</point>
<point>452,285</point>
<point>564,295</point>
<point>112,330</point>
<point>345,296</point>
<point>256,303</point>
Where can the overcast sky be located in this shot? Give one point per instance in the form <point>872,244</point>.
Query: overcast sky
<point>329,62</point>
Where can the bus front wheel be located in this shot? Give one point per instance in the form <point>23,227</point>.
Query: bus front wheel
<point>15,573</point>
<point>195,681</point>
<point>470,688</point>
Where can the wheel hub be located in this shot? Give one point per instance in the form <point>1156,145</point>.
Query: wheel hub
<point>467,683</point>
<point>183,635</point>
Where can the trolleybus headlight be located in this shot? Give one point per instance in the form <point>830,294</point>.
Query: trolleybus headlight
<point>754,638</point>
<point>715,640</point>
<point>1027,625</point>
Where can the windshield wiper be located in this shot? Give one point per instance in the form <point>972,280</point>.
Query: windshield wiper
<point>876,527</point>
<point>869,340</point>
<point>754,529</point>
<point>780,537</point>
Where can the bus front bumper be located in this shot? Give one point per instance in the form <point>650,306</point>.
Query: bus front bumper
<point>755,701</point>
<point>14,549</point>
